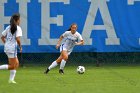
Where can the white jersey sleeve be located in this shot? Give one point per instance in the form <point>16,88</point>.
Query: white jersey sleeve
<point>19,31</point>
<point>4,33</point>
<point>79,37</point>
<point>66,34</point>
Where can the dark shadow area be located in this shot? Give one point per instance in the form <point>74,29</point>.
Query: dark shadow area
<point>90,58</point>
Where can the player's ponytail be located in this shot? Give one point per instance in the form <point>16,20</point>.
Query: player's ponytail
<point>13,23</point>
<point>69,29</point>
<point>71,26</point>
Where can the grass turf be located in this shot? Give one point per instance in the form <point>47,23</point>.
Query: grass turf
<point>105,79</point>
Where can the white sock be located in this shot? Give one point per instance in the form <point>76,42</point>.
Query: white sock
<point>12,74</point>
<point>3,67</point>
<point>62,65</point>
<point>54,64</point>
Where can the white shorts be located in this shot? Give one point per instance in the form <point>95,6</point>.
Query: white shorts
<point>11,55</point>
<point>63,48</point>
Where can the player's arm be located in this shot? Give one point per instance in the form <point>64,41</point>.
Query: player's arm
<point>4,33</point>
<point>19,43</point>
<point>18,35</point>
<point>59,41</point>
<point>80,43</point>
<point>80,39</point>
<point>3,38</point>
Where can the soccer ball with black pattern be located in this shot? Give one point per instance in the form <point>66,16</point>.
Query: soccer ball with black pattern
<point>80,70</point>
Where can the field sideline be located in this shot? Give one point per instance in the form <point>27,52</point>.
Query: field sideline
<point>105,79</point>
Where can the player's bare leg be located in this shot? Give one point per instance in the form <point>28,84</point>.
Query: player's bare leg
<point>63,61</point>
<point>13,65</point>
<point>54,64</point>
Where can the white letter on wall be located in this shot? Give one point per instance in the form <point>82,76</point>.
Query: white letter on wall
<point>46,20</point>
<point>108,25</point>
<point>23,13</point>
<point>3,19</point>
<point>131,2</point>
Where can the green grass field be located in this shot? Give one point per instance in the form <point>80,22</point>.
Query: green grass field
<point>105,79</point>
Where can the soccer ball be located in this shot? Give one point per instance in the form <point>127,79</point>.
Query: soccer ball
<point>80,69</point>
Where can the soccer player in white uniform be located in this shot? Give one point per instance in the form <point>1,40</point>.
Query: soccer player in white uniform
<point>69,39</point>
<point>11,38</point>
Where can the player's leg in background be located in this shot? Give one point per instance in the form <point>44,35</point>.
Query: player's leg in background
<point>5,66</point>
<point>13,62</point>
<point>13,65</point>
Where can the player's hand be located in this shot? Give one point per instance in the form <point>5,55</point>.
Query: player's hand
<point>57,46</point>
<point>76,43</point>
<point>20,48</point>
<point>79,43</point>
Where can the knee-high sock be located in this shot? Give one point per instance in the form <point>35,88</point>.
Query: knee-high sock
<point>12,74</point>
<point>62,65</point>
<point>3,66</point>
<point>54,64</point>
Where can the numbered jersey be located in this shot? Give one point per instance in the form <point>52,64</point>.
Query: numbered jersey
<point>70,39</point>
<point>10,45</point>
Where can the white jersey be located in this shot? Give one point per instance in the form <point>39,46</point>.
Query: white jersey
<point>70,39</point>
<point>10,45</point>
